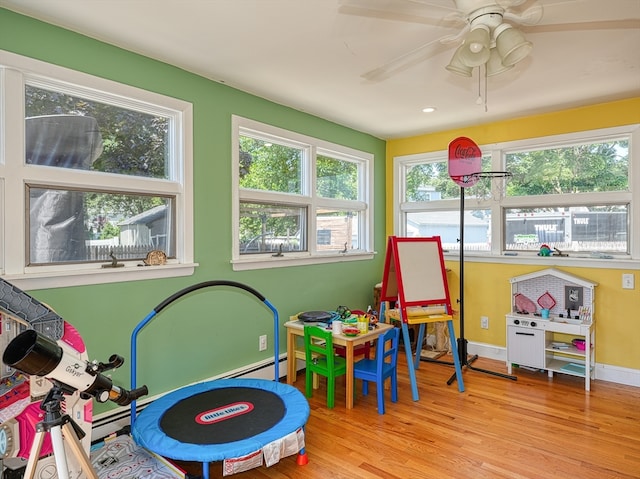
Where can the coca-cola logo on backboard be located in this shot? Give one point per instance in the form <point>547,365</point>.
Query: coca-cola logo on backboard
<point>465,159</point>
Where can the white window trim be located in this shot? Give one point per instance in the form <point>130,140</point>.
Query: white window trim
<point>243,263</point>
<point>497,152</point>
<point>16,69</point>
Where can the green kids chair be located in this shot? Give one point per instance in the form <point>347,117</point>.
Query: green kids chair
<point>321,359</point>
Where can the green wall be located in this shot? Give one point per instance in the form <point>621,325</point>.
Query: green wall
<point>216,329</point>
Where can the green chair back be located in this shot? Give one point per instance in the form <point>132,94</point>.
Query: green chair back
<point>321,359</point>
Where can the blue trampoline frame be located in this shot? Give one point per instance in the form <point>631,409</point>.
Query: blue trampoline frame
<point>145,427</point>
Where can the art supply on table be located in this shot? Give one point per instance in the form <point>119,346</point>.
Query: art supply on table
<point>363,324</point>
<point>336,326</point>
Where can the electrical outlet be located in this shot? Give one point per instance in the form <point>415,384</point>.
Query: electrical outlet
<point>484,322</point>
<point>262,343</point>
<point>628,281</point>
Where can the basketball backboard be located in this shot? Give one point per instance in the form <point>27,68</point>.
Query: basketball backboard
<point>465,159</point>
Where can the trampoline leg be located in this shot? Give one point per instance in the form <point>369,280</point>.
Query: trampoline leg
<point>302,459</point>
<point>205,470</point>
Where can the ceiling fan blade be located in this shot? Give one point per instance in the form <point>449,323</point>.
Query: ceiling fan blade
<point>407,60</point>
<point>455,37</point>
<point>509,3</point>
<point>455,18</point>
<point>401,4</point>
<point>411,11</point>
<point>627,24</point>
<point>531,16</point>
<point>440,4</point>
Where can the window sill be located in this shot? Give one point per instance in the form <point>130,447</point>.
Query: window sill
<point>291,260</point>
<point>582,261</point>
<point>44,279</point>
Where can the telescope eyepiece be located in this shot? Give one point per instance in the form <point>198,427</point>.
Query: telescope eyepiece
<point>115,360</point>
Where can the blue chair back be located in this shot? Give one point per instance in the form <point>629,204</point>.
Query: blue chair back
<point>384,366</point>
<point>387,351</point>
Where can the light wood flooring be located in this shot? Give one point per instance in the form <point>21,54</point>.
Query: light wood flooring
<point>498,428</point>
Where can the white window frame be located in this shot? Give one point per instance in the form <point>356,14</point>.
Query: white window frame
<point>15,71</point>
<point>498,152</point>
<point>308,198</point>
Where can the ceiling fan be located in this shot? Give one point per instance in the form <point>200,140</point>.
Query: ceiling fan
<point>490,33</point>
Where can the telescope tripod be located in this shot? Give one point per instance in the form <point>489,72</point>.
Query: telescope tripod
<point>59,426</point>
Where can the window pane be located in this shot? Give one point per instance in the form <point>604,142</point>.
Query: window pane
<point>336,178</point>
<point>266,228</point>
<point>72,132</point>
<point>587,229</point>
<point>338,230</point>
<point>430,181</point>
<point>70,226</point>
<point>270,166</point>
<point>446,224</point>
<point>585,168</point>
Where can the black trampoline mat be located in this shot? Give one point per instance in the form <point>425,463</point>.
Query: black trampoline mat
<point>222,415</point>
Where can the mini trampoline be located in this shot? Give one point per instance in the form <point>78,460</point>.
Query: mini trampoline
<point>230,420</point>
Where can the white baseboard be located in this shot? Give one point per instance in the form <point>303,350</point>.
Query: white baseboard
<point>604,372</point>
<point>617,374</point>
<point>488,351</point>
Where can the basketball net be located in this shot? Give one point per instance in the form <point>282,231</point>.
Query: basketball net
<point>487,184</point>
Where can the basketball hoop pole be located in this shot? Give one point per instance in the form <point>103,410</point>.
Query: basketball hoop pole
<point>465,360</point>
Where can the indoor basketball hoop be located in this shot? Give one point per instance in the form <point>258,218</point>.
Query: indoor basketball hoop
<point>465,169</point>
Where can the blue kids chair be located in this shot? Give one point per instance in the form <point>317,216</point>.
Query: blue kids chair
<point>382,367</point>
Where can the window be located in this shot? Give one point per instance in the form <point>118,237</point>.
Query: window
<point>103,172</point>
<point>575,176</point>
<point>297,199</point>
<point>574,193</point>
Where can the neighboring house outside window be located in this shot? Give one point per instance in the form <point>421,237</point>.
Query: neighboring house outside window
<point>298,199</point>
<point>104,171</point>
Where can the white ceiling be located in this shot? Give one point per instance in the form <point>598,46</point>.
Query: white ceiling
<point>311,55</point>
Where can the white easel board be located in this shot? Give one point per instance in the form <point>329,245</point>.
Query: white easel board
<point>415,273</point>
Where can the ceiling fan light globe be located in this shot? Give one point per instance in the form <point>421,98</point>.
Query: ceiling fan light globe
<point>476,46</point>
<point>517,54</point>
<point>512,45</point>
<point>461,70</point>
<point>472,60</point>
<point>495,65</point>
<point>457,66</point>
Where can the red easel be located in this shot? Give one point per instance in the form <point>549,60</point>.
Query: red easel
<point>415,278</point>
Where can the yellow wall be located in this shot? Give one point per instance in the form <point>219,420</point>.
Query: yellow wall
<point>487,291</point>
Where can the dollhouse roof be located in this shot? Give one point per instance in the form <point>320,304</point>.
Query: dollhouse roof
<point>556,273</point>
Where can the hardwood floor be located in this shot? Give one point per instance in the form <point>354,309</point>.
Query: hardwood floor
<point>498,428</point>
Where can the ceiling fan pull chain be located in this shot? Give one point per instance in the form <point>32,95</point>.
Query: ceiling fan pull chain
<point>486,89</point>
<point>479,99</point>
<point>483,98</point>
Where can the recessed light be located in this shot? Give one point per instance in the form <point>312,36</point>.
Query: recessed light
<point>429,109</point>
